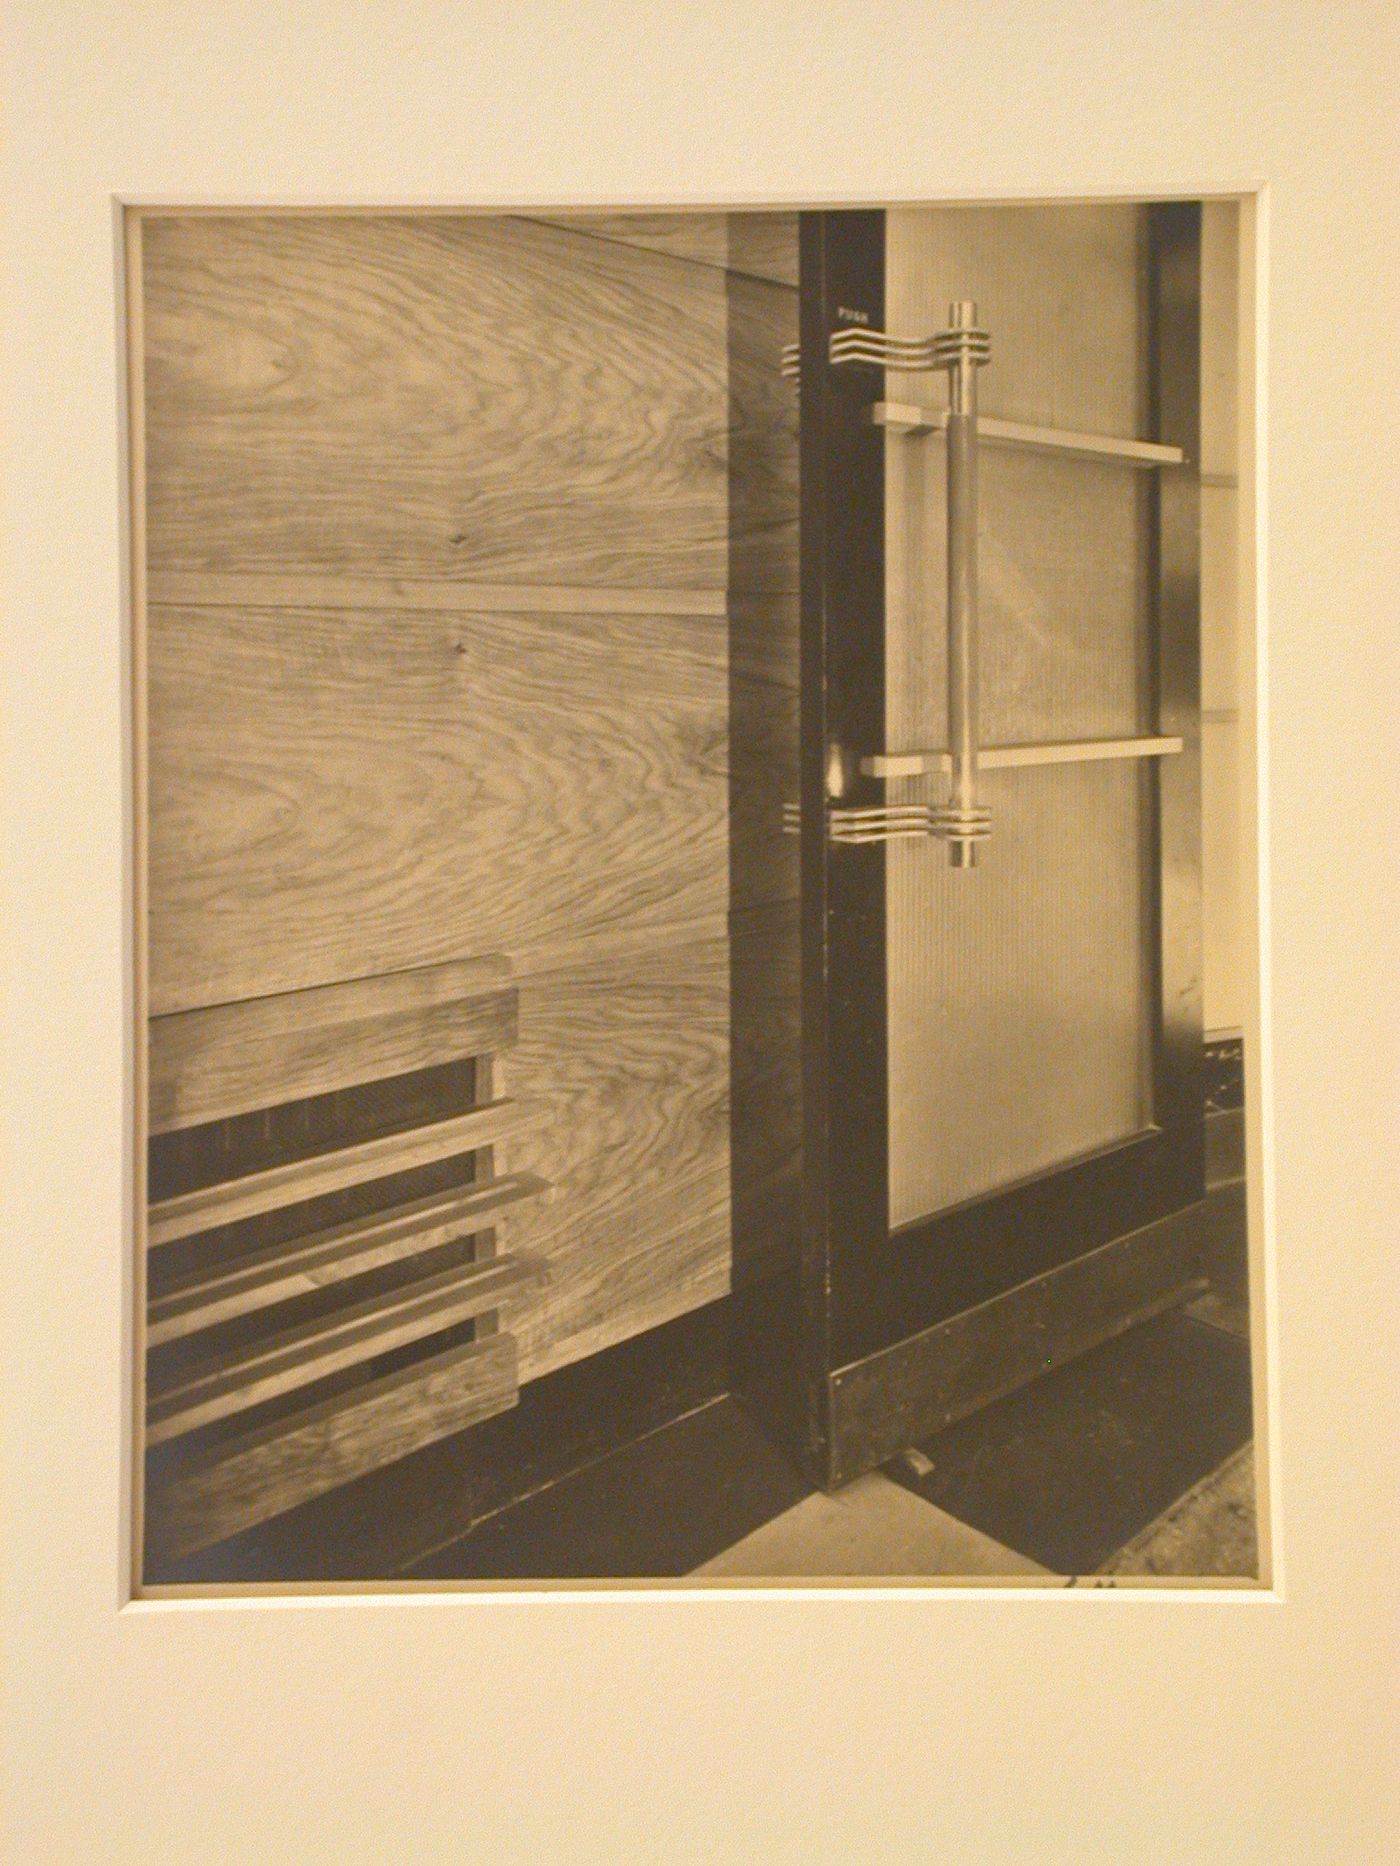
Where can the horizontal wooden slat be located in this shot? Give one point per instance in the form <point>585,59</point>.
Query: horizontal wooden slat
<point>214,589</point>
<point>329,1172</point>
<point>334,1254</point>
<point>260,1474</point>
<point>298,1356</point>
<point>227,1059</point>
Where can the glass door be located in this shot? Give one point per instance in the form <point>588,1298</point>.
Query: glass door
<point>999,815</point>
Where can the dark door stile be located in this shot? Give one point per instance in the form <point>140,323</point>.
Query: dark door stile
<point>865,1291</point>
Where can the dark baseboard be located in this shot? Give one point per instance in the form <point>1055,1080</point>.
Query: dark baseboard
<point>906,1393</point>
<point>389,1522</point>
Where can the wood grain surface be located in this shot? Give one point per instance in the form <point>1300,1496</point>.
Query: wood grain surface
<point>271,1469</point>
<point>205,1065</point>
<point>268,590</point>
<point>701,237</point>
<point>762,244</point>
<point>766,1086</point>
<point>763,418</point>
<point>302,1180</point>
<point>261,1279</point>
<point>632,1058</point>
<point>297,1357</point>
<point>439,668</point>
<point>764,747</point>
<point>432,397</point>
<point>339,793</point>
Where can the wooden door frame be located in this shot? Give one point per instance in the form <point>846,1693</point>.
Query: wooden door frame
<point>900,1335</point>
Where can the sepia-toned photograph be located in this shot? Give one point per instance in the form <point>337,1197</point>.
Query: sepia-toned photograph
<point>695,928</point>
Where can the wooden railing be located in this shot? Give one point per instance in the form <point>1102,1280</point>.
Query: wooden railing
<point>311,1318</point>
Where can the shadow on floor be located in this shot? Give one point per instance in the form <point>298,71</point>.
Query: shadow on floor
<point>657,1508</point>
<point>1133,1460</point>
<point>1071,1468</point>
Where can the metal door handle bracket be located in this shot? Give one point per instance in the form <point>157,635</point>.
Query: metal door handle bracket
<point>875,823</point>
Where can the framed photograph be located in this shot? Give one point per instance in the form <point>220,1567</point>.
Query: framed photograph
<point>538,1119</point>
<point>695,1076</point>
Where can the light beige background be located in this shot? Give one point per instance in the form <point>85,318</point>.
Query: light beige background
<point>1068,1727</point>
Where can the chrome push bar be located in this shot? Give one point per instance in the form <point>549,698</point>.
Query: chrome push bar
<point>961,820</point>
<point>962,349</point>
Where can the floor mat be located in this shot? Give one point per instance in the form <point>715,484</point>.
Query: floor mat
<point>1075,1465</point>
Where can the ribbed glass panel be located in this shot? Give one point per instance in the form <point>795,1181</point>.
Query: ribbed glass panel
<point>1017,995</point>
<point>1017,990</point>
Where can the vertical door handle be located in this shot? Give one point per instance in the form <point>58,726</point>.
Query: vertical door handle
<point>962,349</point>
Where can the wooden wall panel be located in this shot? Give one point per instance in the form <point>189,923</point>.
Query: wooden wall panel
<point>206,1065</point>
<point>339,1439</point>
<point>632,1056</point>
<point>700,237</point>
<point>766,1085</point>
<point>763,750</point>
<point>336,793</point>
<point>764,246</point>
<point>454,397</point>
<point>439,665</point>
